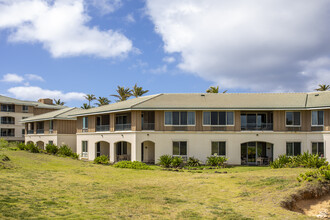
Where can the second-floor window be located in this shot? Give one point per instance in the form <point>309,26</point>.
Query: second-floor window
<point>317,118</point>
<point>51,125</point>
<point>7,120</point>
<point>179,118</point>
<point>218,118</point>
<point>7,108</point>
<point>292,118</point>
<point>25,108</point>
<point>85,123</point>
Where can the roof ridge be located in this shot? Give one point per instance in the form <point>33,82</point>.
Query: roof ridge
<point>68,109</point>
<point>154,96</point>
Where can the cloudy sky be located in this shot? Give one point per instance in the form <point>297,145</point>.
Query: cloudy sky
<point>67,48</point>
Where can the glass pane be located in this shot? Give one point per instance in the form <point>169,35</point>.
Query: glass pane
<point>260,149</point>
<point>297,149</point>
<point>176,146</point>
<point>289,149</point>
<point>183,148</point>
<point>207,118</point>
<point>214,148</point>
<point>320,118</point>
<point>230,118</point>
<point>296,119</point>
<point>168,118</point>
<point>243,120</point>
<point>125,148</point>
<point>222,118</point>
<point>183,118</point>
<point>176,117</point>
<point>314,148</point>
<point>191,118</point>
<point>314,118</point>
<point>289,118</point>
<point>321,149</point>
<point>251,154</point>
<point>214,118</point>
<point>222,148</point>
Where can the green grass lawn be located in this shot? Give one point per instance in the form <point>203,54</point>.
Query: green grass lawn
<point>45,186</point>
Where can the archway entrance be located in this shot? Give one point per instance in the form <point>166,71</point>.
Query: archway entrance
<point>122,151</point>
<point>102,148</point>
<point>40,145</point>
<point>256,153</point>
<point>148,152</point>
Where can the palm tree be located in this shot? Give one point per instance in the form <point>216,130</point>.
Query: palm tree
<point>323,87</point>
<point>85,106</point>
<point>213,89</point>
<point>102,101</point>
<point>123,93</point>
<point>138,91</point>
<point>58,102</point>
<point>90,97</point>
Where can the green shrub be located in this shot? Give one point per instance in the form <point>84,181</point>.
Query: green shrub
<point>303,160</point>
<point>132,165</point>
<point>165,160</point>
<point>51,149</point>
<point>215,160</point>
<point>64,150</point>
<point>177,162</point>
<point>193,162</point>
<point>32,148</point>
<point>103,159</point>
<point>22,146</point>
<point>75,156</point>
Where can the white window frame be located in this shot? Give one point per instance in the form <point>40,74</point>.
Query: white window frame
<point>179,119</point>
<point>322,125</point>
<point>25,110</point>
<point>227,125</point>
<point>226,148</point>
<point>84,129</point>
<point>84,154</point>
<point>183,156</point>
<point>286,125</point>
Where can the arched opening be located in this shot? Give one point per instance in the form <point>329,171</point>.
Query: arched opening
<point>148,152</point>
<point>122,151</point>
<point>29,142</point>
<point>102,148</point>
<point>256,153</point>
<point>40,145</point>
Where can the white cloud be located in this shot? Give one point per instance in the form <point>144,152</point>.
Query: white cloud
<point>12,78</point>
<point>254,45</point>
<point>106,6</point>
<point>34,93</point>
<point>130,18</point>
<point>169,59</point>
<point>158,70</point>
<point>61,27</point>
<point>34,77</point>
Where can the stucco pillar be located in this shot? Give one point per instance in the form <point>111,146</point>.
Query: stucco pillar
<point>112,153</point>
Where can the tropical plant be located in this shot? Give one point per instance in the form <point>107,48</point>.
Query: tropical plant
<point>103,159</point>
<point>138,91</point>
<point>123,93</point>
<point>33,148</point>
<point>51,149</point>
<point>216,160</point>
<point>90,98</point>
<point>165,160</point>
<point>193,162</point>
<point>177,162</point>
<point>64,150</point>
<point>323,87</point>
<point>58,102</point>
<point>213,89</point>
<point>302,160</point>
<point>132,165</point>
<point>102,101</point>
<point>85,106</point>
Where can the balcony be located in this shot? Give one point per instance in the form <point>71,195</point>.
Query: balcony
<point>148,126</point>
<point>51,131</point>
<point>7,122</point>
<point>123,127</point>
<point>257,127</point>
<point>30,131</point>
<point>40,131</point>
<point>102,127</point>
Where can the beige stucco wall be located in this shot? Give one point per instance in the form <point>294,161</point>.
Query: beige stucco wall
<point>58,140</point>
<point>17,126</point>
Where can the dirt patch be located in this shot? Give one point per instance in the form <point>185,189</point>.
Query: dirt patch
<point>315,207</point>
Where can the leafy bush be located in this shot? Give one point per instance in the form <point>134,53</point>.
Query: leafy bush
<point>177,162</point>
<point>22,146</point>
<point>64,150</point>
<point>4,158</point>
<point>75,156</point>
<point>33,148</point>
<point>321,174</point>
<point>51,149</point>
<point>165,160</point>
<point>193,162</point>
<point>3,143</point>
<point>132,165</point>
<point>215,160</point>
<point>303,160</point>
<point>103,159</point>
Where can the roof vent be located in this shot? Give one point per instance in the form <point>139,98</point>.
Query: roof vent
<point>317,94</point>
<point>202,94</point>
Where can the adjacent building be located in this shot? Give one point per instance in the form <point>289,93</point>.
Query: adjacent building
<point>14,110</point>
<point>56,127</point>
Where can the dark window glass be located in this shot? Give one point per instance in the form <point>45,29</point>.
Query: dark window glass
<point>183,148</point>
<point>297,148</point>
<point>183,118</point>
<point>296,119</point>
<point>320,117</point>
<point>214,118</point>
<point>222,118</point>
<point>176,118</point>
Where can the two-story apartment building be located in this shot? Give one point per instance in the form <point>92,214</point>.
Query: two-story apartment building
<point>13,111</point>
<point>55,127</point>
<point>250,128</point>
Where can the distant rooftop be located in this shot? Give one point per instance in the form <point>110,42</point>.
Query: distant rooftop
<point>62,114</point>
<point>8,100</point>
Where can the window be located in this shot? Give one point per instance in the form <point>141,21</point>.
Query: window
<point>7,120</point>
<point>317,118</point>
<point>24,117</point>
<point>84,149</point>
<point>293,148</point>
<point>51,142</point>
<point>179,118</point>
<point>5,132</point>
<point>51,126</point>
<point>23,132</point>
<point>218,148</point>
<point>85,123</point>
<point>292,118</point>
<point>25,108</point>
<point>180,148</point>
<point>218,118</point>
<point>7,108</point>
<point>122,148</point>
<point>318,148</point>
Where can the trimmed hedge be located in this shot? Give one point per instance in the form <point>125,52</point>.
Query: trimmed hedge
<point>132,165</point>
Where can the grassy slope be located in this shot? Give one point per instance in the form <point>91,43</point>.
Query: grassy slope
<point>45,186</point>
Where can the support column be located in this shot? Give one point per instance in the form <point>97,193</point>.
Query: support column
<point>112,153</point>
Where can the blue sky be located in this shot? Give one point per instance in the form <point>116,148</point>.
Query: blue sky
<point>64,49</point>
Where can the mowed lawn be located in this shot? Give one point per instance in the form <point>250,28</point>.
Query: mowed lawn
<point>45,186</point>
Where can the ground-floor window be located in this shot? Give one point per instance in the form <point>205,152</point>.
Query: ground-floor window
<point>51,142</point>
<point>318,148</point>
<point>218,148</point>
<point>84,149</point>
<point>293,148</point>
<point>122,148</point>
<point>180,148</point>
